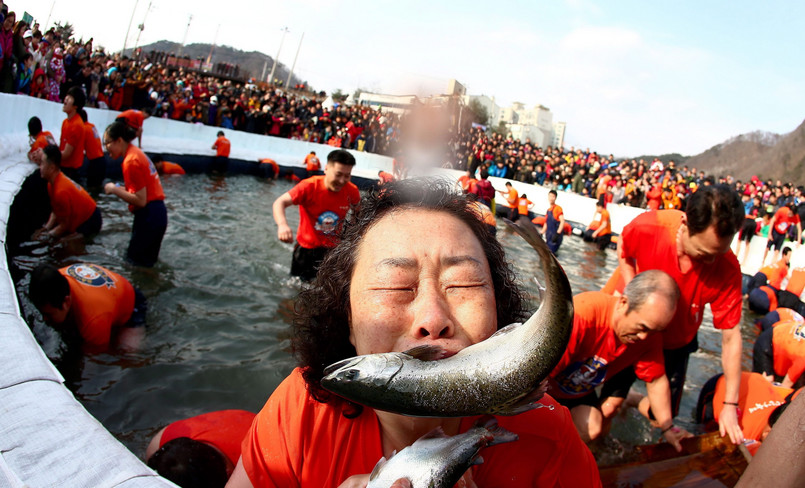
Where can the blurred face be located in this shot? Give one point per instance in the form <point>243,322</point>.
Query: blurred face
<point>336,175</point>
<point>69,105</point>
<point>116,147</point>
<point>56,315</point>
<point>705,245</point>
<point>640,323</point>
<point>8,23</point>
<point>436,289</point>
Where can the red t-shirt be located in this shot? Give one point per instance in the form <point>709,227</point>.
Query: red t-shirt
<point>757,400</point>
<point>102,300</point>
<point>133,118</point>
<point>42,140</point>
<point>71,204</point>
<point>222,146</point>
<point>783,219</point>
<point>296,441</point>
<point>321,211</point>
<point>72,132</point>
<point>224,430</point>
<point>92,142</point>
<point>169,168</point>
<point>594,353</point>
<point>788,342</point>
<point>139,172</point>
<point>650,239</point>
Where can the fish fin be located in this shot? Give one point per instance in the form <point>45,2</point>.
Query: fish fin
<point>426,353</point>
<point>527,402</point>
<point>540,289</point>
<point>376,470</point>
<point>477,460</point>
<point>437,433</point>
<point>505,330</point>
<point>498,434</point>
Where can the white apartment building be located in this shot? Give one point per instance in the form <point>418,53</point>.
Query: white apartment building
<point>524,123</point>
<point>558,134</point>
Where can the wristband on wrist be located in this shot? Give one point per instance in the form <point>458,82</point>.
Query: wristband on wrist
<point>735,404</point>
<point>667,429</point>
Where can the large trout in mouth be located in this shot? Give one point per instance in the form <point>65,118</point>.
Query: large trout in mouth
<point>501,375</point>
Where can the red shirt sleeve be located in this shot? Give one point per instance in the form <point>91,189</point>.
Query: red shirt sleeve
<point>651,364</point>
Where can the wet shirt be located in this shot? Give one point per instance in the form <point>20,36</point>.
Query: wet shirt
<point>650,239</point>
<point>594,353</point>
<point>169,168</point>
<point>101,301</point>
<point>42,140</point>
<point>296,441</point>
<point>321,211</point>
<point>224,430</point>
<point>72,133</point>
<point>138,173</point>
<point>71,203</point>
<point>757,400</point>
<point>92,142</point>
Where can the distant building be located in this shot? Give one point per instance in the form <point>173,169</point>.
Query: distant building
<point>558,134</point>
<point>393,103</point>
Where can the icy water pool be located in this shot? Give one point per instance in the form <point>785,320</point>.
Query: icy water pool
<point>220,303</point>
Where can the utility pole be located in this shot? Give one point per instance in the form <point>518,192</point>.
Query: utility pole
<point>184,39</point>
<point>44,27</point>
<point>214,41</point>
<point>290,73</point>
<point>276,60</point>
<point>126,40</point>
<point>142,26</point>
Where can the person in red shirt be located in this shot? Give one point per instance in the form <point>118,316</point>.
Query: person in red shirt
<point>312,164</point>
<point>166,167</point>
<point>200,449</point>
<point>384,178</point>
<point>654,195</point>
<point>135,119</point>
<point>780,226</point>
<point>694,248</point>
<point>96,159</point>
<point>377,271</point>
<point>72,209</point>
<point>71,143</point>
<point>98,304</point>
<point>323,203</point>
<point>609,334</point>
<point>600,229</point>
<point>484,190</point>
<point>779,352</point>
<point>554,226</point>
<point>39,139</point>
<point>222,147</point>
<point>142,191</point>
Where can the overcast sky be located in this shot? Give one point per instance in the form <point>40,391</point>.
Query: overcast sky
<point>628,77</point>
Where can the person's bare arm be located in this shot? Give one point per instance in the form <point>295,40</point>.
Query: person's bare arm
<point>659,396</point>
<point>284,232</point>
<point>139,199</point>
<point>731,346</point>
<point>153,446</point>
<point>626,264</point>
<point>239,478</point>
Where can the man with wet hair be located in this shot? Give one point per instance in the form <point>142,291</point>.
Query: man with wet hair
<point>693,247</point>
<point>609,334</point>
<point>323,203</point>
<point>89,299</point>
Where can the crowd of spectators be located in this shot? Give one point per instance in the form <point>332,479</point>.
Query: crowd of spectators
<point>46,66</point>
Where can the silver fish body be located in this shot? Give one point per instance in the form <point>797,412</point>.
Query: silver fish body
<point>439,461</point>
<point>498,376</point>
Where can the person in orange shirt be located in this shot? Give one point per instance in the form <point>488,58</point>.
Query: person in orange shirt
<point>72,209</point>
<point>102,306</point>
<point>39,139</point>
<point>670,200</point>
<point>511,198</point>
<point>654,195</point>
<point>312,164</point>
<point>269,168</point>
<point>779,352</point>
<point>323,204</point>
<point>600,229</point>
<point>96,159</point>
<point>523,205</point>
<point>796,283</point>
<point>142,191</point>
<point>222,148</point>
<point>135,119</point>
<point>781,314</point>
<point>200,450</point>
<point>166,167</point>
<point>554,226</point>
<point>71,143</point>
<point>377,271</point>
<point>384,178</point>
<point>773,274</point>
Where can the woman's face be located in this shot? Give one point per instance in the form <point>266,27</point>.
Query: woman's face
<point>421,277</point>
<point>116,147</point>
<point>9,22</point>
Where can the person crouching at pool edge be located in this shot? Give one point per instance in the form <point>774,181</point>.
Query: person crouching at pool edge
<point>323,203</point>
<point>379,292</point>
<point>143,192</point>
<point>98,304</point>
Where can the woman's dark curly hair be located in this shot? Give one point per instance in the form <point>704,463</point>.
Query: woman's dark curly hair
<point>321,325</point>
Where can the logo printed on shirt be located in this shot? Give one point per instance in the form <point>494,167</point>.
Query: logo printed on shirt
<point>327,222</point>
<point>582,377</point>
<point>799,331</point>
<point>90,275</point>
